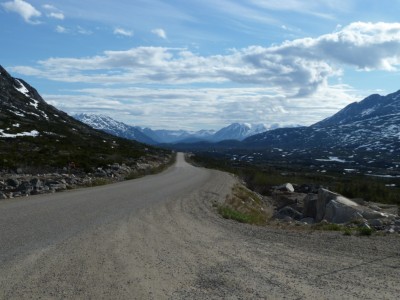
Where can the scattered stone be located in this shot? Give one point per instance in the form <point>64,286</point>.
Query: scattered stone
<point>3,196</point>
<point>373,214</point>
<point>287,187</point>
<point>12,182</point>
<point>290,212</point>
<point>308,220</point>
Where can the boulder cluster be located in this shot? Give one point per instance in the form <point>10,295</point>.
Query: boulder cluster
<point>18,184</point>
<point>320,205</point>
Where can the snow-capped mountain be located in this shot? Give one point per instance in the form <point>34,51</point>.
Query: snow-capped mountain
<point>371,107</point>
<point>34,134</point>
<point>109,125</point>
<point>175,136</point>
<point>238,131</point>
<point>372,124</point>
<point>235,131</point>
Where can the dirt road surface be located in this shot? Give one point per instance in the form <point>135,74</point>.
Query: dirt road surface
<point>159,237</point>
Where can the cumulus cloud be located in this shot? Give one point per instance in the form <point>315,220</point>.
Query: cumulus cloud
<point>123,32</point>
<point>24,9</point>
<point>160,33</point>
<point>298,67</point>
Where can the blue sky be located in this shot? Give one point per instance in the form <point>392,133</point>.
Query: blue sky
<point>203,64</point>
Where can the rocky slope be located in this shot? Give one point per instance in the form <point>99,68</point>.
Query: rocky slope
<point>111,126</point>
<point>37,137</point>
<point>372,124</point>
<point>364,138</point>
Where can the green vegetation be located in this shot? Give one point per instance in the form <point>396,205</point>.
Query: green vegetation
<point>366,231</point>
<point>245,206</point>
<point>229,213</point>
<point>347,231</point>
<point>260,178</point>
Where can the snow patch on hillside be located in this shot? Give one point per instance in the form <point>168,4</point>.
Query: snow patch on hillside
<point>32,133</point>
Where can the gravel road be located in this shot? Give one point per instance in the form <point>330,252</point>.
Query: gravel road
<point>159,237</point>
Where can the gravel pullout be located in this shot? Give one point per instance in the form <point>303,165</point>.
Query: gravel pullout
<point>180,248</point>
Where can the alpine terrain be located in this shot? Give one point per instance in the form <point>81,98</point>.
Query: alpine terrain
<point>34,134</point>
<point>362,137</point>
<point>234,131</point>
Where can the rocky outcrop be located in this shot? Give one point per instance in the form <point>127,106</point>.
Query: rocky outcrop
<point>330,207</point>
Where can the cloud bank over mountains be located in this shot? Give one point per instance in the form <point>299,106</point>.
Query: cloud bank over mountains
<point>297,68</point>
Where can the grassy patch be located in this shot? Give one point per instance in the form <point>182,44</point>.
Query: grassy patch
<point>245,206</point>
<point>347,231</point>
<point>229,213</point>
<point>365,231</point>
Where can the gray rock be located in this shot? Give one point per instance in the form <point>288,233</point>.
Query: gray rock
<point>373,214</point>
<point>25,188</point>
<point>310,206</point>
<point>290,212</point>
<point>3,196</point>
<point>324,196</point>
<point>12,182</point>
<point>375,207</point>
<point>336,212</point>
<point>376,223</point>
<point>397,222</point>
<point>287,219</point>
<point>343,209</point>
<point>36,183</point>
<point>308,220</point>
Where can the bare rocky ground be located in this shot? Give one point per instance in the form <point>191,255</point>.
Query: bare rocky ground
<point>182,249</point>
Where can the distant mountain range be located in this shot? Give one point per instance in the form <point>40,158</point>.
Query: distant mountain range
<point>235,131</point>
<point>363,137</point>
<point>35,135</point>
<point>372,124</point>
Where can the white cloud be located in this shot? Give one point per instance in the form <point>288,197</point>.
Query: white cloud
<point>83,31</point>
<point>49,7</point>
<point>160,33</point>
<point>53,12</point>
<point>24,9</point>
<point>298,67</point>
<point>123,32</point>
<point>61,29</point>
<point>56,15</point>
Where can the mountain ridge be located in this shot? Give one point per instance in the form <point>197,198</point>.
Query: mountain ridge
<point>234,131</point>
<point>36,135</point>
